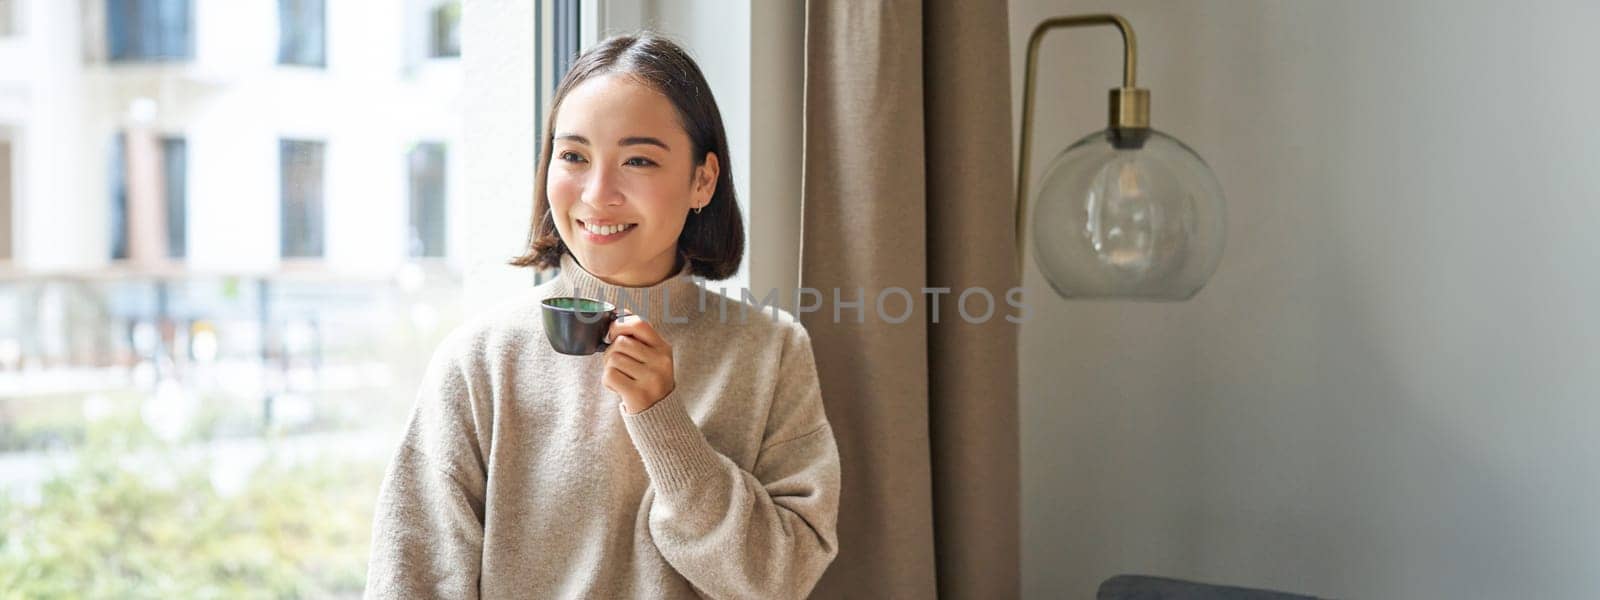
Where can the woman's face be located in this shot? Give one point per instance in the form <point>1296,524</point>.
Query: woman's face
<point>622,179</point>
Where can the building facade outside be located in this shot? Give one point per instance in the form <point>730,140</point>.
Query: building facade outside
<point>230,228</point>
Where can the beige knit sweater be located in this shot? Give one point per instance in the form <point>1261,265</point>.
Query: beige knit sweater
<point>519,476</point>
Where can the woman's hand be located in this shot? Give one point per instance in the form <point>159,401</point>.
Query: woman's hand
<point>638,363</point>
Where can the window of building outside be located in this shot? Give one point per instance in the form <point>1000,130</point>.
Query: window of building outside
<point>301,33</point>
<point>219,425</point>
<point>6,237</point>
<point>446,21</point>
<point>300,186</point>
<point>117,168</point>
<point>149,30</point>
<point>426,164</point>
<point>171,187</point>
<point>175,168</point>
<point>8,17</point>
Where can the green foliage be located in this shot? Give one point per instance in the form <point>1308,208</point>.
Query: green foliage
<point>134,518</point>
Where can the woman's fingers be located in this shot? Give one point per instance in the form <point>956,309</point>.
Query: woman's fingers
<point>616,380</point>
<point>638,363</point>
<point>613,371</point>
<point>639,328</point>
<point>629,347</point>
<point>634,367</point>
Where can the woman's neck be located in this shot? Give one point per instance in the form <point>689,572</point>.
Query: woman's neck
<point>648,280</point>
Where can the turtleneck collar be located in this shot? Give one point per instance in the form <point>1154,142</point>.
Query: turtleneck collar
<point>677,297</point>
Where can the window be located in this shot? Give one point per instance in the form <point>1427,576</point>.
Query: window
<point>302,33</point>
<point>149,30</point>
<point>8,17</point>
<point>6,242</point>
<point>269,390</point>
<point>446,38</point>
<point>300,169</point>
<point>172,190</point>
<point>118,168</point>
<point>425,163</point>
<point>175,171</point>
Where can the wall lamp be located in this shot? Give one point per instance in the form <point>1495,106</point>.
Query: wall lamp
<point>1124,213</point>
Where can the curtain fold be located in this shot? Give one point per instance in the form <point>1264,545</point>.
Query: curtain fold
<point>907,184</point>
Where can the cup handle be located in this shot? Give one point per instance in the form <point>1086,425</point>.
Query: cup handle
<point>616,315</point>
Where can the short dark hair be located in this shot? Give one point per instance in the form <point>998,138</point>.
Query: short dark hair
<point>713,239</point>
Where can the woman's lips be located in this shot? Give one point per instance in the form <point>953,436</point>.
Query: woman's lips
<point>604,234</point>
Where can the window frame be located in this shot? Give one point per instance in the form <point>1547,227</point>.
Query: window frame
<point>559,30</point>
<point>559,36</point>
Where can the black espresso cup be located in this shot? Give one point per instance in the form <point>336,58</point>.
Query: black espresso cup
<point>578,326</point>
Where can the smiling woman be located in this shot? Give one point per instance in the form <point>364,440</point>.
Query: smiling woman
<point>628,200</point>
<point>632,197</point>
<point>693,458</point>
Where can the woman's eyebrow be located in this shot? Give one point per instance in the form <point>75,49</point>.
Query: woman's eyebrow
<point>637,140</point>
<point>627,141</point>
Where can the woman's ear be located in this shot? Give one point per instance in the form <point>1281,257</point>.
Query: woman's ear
<point>705,180</point>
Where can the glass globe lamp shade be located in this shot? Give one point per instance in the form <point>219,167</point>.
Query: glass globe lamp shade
<point>1128,217</point>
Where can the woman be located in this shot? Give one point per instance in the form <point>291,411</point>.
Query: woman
<point>693,458</point>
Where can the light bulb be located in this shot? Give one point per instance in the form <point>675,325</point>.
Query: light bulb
<point>1141,221</point>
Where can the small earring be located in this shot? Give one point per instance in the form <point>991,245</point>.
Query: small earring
<point>697,209</point>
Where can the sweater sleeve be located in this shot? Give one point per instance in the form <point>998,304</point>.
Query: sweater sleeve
<point>765,533</point>
<point>427,531</point>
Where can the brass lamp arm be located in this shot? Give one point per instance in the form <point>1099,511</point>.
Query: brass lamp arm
<point>1130,106</point>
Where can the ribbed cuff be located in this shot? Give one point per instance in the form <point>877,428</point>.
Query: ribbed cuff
<point>674,451</point>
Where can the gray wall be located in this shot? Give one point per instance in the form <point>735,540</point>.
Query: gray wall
<point>1389,388</point>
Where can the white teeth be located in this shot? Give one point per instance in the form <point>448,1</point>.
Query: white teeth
<point>605,229</point>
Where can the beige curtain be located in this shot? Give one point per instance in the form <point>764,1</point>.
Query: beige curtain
<point>907,180</point>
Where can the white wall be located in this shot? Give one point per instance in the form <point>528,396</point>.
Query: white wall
<point>1388,390</point>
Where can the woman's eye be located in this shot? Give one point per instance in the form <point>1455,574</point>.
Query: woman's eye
<point>570,157</point>
<point>640,161</point>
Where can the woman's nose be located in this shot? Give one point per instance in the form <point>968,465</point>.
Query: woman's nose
<point>600,189</point>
